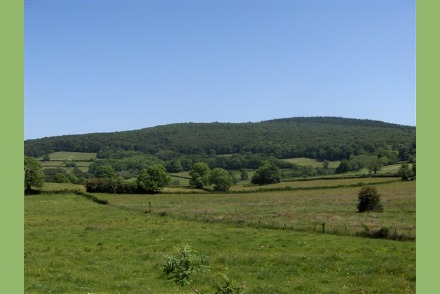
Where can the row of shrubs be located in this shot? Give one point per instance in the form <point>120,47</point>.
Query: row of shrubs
<point>92,197</point>
<point>384,233</point>
<point>119,186</point>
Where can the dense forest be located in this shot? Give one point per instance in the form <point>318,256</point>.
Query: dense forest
<point>322,138</point>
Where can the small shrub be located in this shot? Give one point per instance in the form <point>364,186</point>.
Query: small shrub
<point>369,200</point>
<point>181,267</point>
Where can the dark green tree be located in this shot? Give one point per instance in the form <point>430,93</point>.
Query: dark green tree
<point>221,179</point>
<point>267,173</point>
<point>33,174</point>
<point>369,200</point>
<point>343,167</point>
<point>105,171</point>
<point>199,175</point>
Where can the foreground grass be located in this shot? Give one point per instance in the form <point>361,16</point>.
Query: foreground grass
<point>73,245</point>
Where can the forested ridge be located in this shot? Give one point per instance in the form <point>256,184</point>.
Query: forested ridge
<point>323,138</point>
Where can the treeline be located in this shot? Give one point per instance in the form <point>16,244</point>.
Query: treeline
<point>322,138</point>
<point>128,163</point>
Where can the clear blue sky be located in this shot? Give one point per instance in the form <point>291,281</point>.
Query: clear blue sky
<point>104,66</point>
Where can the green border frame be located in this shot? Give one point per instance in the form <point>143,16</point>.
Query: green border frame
<point>12,127</point>
<point>12,130</point>
<point>427,126</point>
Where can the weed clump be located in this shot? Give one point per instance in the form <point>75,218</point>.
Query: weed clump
<point>188,261</point>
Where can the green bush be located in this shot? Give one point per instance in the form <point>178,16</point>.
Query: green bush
<point>101,185</point>
<point>369,200</point>
<point>267,173</point>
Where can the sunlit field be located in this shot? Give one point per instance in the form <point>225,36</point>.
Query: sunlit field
<point>269,242</point>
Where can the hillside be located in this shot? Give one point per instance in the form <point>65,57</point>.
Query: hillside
<point>330,138</point>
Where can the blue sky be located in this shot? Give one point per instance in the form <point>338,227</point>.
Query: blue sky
<point>104,66</point>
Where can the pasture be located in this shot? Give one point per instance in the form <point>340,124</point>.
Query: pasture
<point>70,156</point>
<point>301,210</point>
<point>270,242</point>
<point>60,159</point>
<point>303,161</point>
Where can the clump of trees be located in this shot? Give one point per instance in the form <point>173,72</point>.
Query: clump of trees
<point>149,181</point>
<point>199,175</point>
<point>268,173</point>
<point>221,179</point>
<point>374,163</point>
<point>369,200</point>
<point>202,175</point>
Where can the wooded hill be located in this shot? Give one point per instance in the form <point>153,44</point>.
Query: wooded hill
<point>323,138</point>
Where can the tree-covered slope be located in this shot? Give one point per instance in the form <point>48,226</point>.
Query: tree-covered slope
<point>329,138</point>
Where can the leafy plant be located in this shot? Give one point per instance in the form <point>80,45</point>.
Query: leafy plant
<point>188,261</point>
<point>180,268</point>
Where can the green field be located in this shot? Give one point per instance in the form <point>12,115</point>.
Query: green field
<point>52,187</point>
<point>59,159</point>
<point>327,182</point>
<point>303,161</point>
<point>70,156</point>
<point>303,210</point>
<point>73,245</point>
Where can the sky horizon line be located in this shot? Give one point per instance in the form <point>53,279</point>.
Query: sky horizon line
<point>225,122</point>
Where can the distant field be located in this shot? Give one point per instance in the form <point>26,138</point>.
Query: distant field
<point>51,187</point>
<point>73,245</point>
<point>59,160</point>
<point>48,164</point>
<point>390,169</point>
<point>303,161</point>
<point>302,209</point>
<point>71,156</point>
<point>319,183</point>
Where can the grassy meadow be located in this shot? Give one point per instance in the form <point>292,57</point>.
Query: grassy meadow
<point>303,210</point>
<point>269,242</point>
<point>303,161</point>
<point>81,160</point>
<point>70,156</point>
